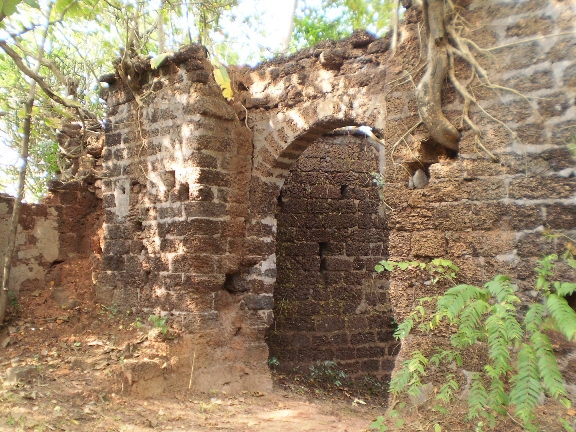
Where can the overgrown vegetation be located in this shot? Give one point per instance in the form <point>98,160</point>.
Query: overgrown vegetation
<point>337,19</point>
<point>520,365</point>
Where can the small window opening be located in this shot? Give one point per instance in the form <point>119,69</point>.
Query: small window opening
<point>323,250</point>
<point>343,191</point>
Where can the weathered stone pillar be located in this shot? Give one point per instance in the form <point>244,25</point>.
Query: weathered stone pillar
<point>178,165</point>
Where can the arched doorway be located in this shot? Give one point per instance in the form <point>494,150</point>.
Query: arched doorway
<point>330,304</point>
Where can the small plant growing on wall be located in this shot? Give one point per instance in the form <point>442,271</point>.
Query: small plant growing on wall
<point>520,366</point>
<point>159,323</point>
<point>328,372</point>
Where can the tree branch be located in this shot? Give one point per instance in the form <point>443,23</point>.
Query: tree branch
<point>40,81</point>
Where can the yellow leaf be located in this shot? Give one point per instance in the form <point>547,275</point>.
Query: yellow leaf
<point>223,80</point>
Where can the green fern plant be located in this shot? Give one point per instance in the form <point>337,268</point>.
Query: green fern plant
<point>521,364</point>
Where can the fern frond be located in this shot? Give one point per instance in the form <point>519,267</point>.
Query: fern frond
<point>498,398</point>
<point>471,328</point>
<point>565,288</point>
<point>501,288</point>
<point>446,356</point>
<point>478,397</point>
<point>446,392</point>
<point>409,375</point>
<point>400,379</point>
<point>503,330</point>
<point>404,328</point>
<point>526,387</point>
<point>534,317</point>
<point>563,314</point>
<point>545,270</point>
<point>547,366</point>
<point>456,298</point>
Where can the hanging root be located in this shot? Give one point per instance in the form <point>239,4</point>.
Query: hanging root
<point>444,27</point>
<point>428,92</point>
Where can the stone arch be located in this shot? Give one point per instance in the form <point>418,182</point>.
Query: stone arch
<point>279,141</point>
<point>281,138</point>
<point>329,303</point>
<point>275,151</point>
<point>486,215</point>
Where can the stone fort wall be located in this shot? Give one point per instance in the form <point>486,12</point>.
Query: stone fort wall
<point>192,226</point>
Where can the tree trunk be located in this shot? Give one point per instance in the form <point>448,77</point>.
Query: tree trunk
<point>161,34</point>
<point>17,202</point>
<point>288,38</point>
<point>27,126</point>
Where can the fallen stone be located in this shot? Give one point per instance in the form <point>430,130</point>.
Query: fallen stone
<point>20,373</point>
<point>64,299</point>
<point>420,179</point>
<point>79,363</point>
<point>332,58</point>
<point>379,46</point>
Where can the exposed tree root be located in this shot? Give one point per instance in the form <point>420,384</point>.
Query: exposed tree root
<point>444,27</point>
<point>428,91</point>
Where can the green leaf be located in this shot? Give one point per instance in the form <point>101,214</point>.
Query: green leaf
<point>566,426</point>
<point>526,387</point>
<point>399,423</point>
<point>403,265</point>
<point>440,409</point>
<point>571,262</point>
<point>565,288</point>
<point>378,424</point>
<point>73,8</point>
<point>563,314</point>
<point>9,6</point>
<point>53,122</point>
<point>437,428</point>
<point>379,268</point>
<point>389,265</point>
<point>32,3</point>
<point>156,62</point>
<point>549,371</point>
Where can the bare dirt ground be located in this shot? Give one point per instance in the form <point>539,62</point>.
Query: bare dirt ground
<point>60,360</point>
<point>61,357</point>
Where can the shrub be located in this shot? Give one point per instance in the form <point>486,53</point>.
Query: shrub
<point>520,366</point>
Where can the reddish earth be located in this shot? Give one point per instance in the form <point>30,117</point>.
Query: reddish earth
<point>68,352</point>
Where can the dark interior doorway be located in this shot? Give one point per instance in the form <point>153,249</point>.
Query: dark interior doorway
<point>330,304</point>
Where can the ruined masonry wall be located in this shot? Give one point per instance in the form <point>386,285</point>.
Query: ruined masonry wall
<point>175,196</point>
<point>192,182</point>
<point>63,227</point>
<point>489,217</point>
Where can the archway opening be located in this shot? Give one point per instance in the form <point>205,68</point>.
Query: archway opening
<point>333,324</point>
